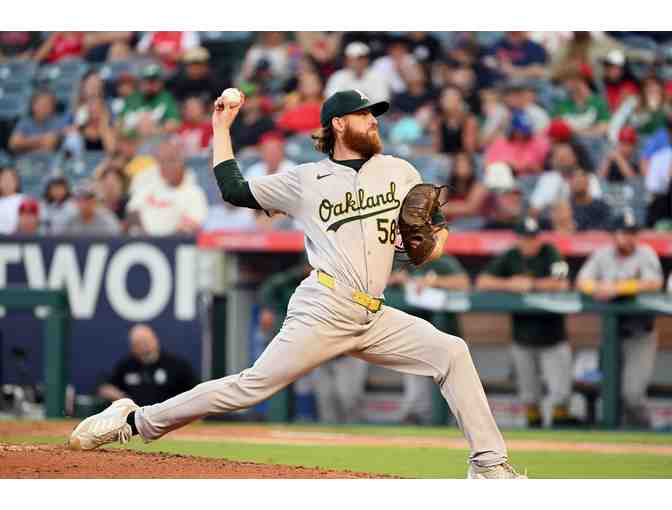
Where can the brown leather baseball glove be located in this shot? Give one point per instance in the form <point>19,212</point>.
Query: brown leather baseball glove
<point>415,221</point>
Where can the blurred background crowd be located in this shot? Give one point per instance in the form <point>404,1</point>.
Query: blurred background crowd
<point>109,132</point>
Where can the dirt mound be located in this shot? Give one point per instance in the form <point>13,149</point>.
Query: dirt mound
<point>56,461</point>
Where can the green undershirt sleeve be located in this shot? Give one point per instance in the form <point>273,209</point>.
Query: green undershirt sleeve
<point>233,187</point>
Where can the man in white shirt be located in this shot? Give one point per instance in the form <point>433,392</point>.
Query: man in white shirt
<point>10,200</point>
<point>173,204</point>
<point>358,75</point>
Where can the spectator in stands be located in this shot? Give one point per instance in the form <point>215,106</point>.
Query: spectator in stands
<point>522,149</point>
<point>60,46</point>
<point>196,128</point>
<point>503,206</point>
<point>197,77</point>
<point>539,341</point>
<point>151,103</point>
<point>102,46</point>
<point>466,195</point>
<point>455,128</point>
<point>301,113</point>
<point>520,96</point>
<point>91,87</point>
<point>494,117</point>
<point>272,151</point>
<point>174,203</point>
<point>90,218</point>
<point>588,213</point>
<point>322,49</point>
<point>516,56</point>
<point>43,130</point>
<point>553,185</point>
<point>271,51</point>
<point>57,204</point>
<point>419,95</point>
<point>560,132</point>
<point>619,273</point>
<point>148,374</point>
<point>29,217</point>
<point>358,74</point>
<point>620,164</point>
<point>20,45</point>
<point>658,184</point>
<point>425,48</point>
<point>10,199</point>
<point>253,121</point>
<point>112,189</point>
<point>124,87</point>
<point>617,84</point>
<point>389,66</point>
<point>586,112</point>
<point>168,47</point>
<point>584,50</point>
<point>644,111</point>
<point>92,131</point>
<point>561,219</point>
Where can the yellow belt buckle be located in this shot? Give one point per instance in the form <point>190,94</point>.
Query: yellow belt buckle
<point>368,302</point>
<point>326,280</point>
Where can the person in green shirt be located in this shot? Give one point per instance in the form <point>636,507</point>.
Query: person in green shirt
<point>152,107</point>
<point>586,113</point>
<point>539,340</point>
<point>443,273</point>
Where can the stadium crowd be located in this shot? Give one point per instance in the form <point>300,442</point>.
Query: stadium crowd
<point>109,132</point>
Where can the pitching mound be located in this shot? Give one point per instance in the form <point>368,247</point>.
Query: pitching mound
<point>49,461</point>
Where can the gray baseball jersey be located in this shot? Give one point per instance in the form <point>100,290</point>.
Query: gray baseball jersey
<point>349,217</point>
<point>608,266</point>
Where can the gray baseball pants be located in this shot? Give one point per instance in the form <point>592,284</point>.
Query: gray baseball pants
<point>553,363</point>
<point>340,388</point>
<point>322,324</point>
<point>639,356</point>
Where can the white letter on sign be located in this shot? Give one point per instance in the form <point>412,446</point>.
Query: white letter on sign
<point>186,283</point>
<point>9,254</point>
<point>160,282</point>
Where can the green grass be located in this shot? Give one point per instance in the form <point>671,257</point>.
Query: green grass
<point>427,462</point>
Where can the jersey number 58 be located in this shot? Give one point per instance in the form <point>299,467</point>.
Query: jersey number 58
<point>388,230</point>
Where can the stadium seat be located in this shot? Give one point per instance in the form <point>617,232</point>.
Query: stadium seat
<point>110,71</point>
<point>300,149</point>
<point>18,70</point>
<point>5,159</point>
<point>15,88</point>
<point>13,107</point>
<point>34,168</point>
<point>84,166</point>
<point>201,167</point>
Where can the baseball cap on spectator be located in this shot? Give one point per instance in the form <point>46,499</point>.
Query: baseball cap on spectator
<point>84,189</point>
<point>356,49</point>
<point>615,58</point>
<point>29,206</point>
<point>627,135</point>
<point>196,55</point>
<point>499,177</point>
<point>527,228</point>
<point>559,131</point>
<point>151,72</point>
<point>349,101</point>
<point>521,124</point>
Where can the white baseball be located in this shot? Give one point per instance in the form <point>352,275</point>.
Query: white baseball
<point>232,97</point>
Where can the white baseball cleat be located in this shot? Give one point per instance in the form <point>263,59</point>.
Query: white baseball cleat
<point>502,471</point>
<point>105,427</point>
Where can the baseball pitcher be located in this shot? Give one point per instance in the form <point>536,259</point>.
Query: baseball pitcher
<point>352,206</point>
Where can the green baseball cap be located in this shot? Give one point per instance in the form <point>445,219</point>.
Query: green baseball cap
<point>349,101</point>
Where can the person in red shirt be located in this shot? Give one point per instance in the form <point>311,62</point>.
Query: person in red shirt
<point>61,46</point>
<point>302,111</point>
<point>196,129</point>
<point>616,84</point>
<point>168,47</point>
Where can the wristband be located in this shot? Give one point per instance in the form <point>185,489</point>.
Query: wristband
<point>627,287</point>
<point>587,286</point>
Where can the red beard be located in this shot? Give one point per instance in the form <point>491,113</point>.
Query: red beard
<point>367,144</point>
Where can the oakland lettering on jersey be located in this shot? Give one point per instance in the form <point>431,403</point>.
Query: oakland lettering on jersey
<point>329,210</point>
